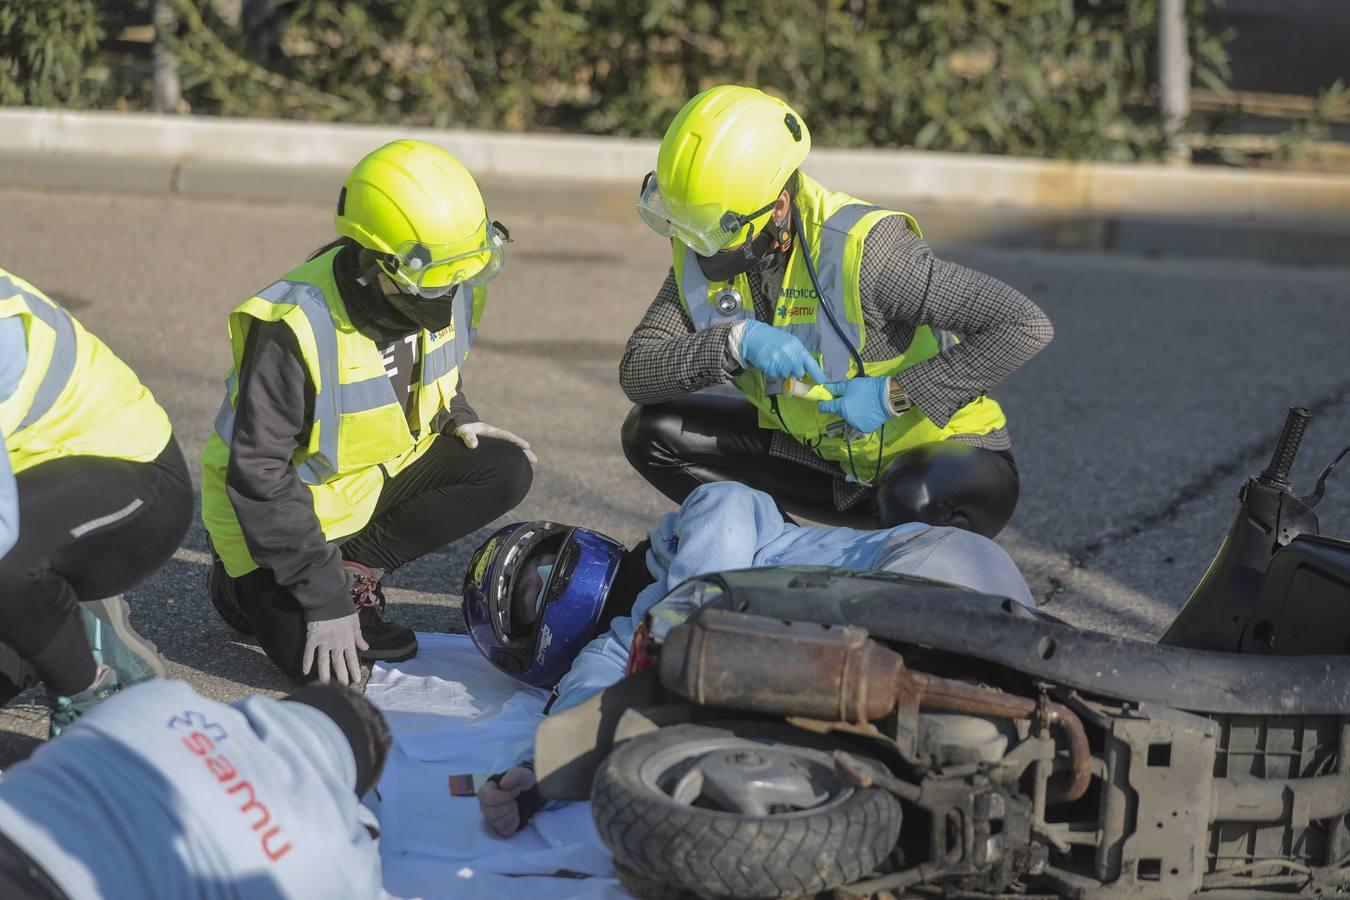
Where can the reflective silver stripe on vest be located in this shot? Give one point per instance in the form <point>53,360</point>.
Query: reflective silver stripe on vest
<point>322,464</point>
<point>62,363</point>
<point>440,361</point>
<point>835,353</point>
<point>225,418</point>
<point>372,393</point>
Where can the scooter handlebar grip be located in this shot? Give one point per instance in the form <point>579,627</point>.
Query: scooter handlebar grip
<point>1282,462</point>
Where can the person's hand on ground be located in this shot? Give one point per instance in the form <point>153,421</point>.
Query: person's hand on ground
<point>778,353</point>
<point>331,645</point>
<point>497,800</point>
<point>470,434</point>
<point>863,402</point>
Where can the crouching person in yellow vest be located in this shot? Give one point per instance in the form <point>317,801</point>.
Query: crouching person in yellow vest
<point>865,360</point>
<point>94,498</point>
<point>344,447</point>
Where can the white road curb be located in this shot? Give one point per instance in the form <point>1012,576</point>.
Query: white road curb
<point>181,143</point>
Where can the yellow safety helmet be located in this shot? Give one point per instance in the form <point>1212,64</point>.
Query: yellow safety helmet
<point>420,211</point>
<point>723,162</point>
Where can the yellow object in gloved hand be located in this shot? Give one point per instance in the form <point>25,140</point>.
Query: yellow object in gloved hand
<point>796,387</point>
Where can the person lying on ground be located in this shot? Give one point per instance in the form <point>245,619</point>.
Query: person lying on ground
<point>557,606</point>
<point>161,793</point>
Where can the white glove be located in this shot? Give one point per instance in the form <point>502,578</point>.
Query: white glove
<point>334,643</point>
<point>470,434</point>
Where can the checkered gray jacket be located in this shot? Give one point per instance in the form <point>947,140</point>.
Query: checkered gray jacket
<point>903,286</point>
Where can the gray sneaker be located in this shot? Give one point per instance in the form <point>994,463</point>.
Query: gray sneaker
<point>108,626</point>
<point>122,655</point>
<point>65,710</point>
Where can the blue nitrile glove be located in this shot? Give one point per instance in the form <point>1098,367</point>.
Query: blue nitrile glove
<point>777,353</point>
<point>863,402</point>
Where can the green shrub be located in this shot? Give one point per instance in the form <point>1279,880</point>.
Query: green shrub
<point>48,53</point>
<point>1060,78</point>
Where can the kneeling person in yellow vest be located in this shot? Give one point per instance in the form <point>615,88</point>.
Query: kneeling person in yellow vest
<point>94,498</point>
<point>344,447</point>
<point>777,277</point>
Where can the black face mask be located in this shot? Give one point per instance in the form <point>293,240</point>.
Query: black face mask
<point>383,313</point>
<point>423,312</point>
<point>755,254</point>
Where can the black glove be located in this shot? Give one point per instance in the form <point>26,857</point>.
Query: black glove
<point>528,802</point>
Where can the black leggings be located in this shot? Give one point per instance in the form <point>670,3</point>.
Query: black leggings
<point>89,528</point>
<point>700,438</point>
<point>449,492</point>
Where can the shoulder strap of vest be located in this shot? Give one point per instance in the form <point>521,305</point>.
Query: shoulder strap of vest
<point>62,363</point>
<point>835,234</point>
<point>837,349</point>
<point>294,302</point>
<point>467,309</point>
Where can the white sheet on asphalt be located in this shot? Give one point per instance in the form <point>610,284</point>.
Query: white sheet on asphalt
<point>451,713</point>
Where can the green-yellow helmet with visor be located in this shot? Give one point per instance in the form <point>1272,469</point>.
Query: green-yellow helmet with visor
<point>723,162</point>
<point>419,210</point>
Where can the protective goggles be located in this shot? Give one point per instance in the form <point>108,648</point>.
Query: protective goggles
<point>433,270</point>
<point>703,229</point>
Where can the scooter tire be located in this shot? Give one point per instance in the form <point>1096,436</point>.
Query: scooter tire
<point>722,854</point>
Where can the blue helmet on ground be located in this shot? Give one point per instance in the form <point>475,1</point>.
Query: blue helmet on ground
<point>534,595</point>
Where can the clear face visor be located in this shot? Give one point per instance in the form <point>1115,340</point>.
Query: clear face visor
<point>433,270</point>
<point>704,229</point>
<point>521,550</point>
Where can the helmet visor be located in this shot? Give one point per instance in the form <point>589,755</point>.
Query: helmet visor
<point>514,556</point>
<point>703,229</point>
<point>432,270</point>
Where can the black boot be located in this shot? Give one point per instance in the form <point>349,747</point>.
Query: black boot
<point>388,641</point>
<point>225,598</point>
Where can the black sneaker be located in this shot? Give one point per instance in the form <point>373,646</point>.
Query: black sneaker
<point>388,641</point>
<point>225,598</point>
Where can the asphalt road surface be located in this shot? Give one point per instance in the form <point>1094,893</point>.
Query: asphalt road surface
<point>1165,386</point>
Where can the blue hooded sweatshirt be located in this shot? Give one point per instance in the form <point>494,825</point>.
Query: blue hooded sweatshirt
<point>726,525</point>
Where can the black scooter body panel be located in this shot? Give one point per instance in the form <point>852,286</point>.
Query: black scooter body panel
<point>932,614</point>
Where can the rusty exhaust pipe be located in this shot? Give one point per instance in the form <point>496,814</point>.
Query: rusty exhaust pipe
<point>832,673</point>
<point>837,674</point>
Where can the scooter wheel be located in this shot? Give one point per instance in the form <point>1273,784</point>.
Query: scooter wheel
<point>740,810</point>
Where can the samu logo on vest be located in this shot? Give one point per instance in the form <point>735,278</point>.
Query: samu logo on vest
<point>788,312</point>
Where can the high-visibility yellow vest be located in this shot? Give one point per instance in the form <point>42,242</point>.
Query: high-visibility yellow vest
<point>835,226</point>
<point>359,434</point>
<point>75,398</point>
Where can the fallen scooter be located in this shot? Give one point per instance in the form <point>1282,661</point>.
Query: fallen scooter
<point>793,731</point>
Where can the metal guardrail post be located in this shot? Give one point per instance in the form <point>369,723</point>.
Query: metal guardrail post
<point>1174,77</point>
<point>168,90</point>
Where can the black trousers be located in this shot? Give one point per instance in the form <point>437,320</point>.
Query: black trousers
<point>449,492</point>
<point>701,438</point>
<point>89,528</point>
